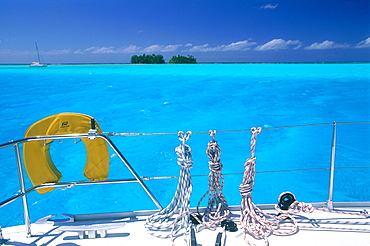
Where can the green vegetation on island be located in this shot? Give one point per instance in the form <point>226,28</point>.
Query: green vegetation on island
<point>147,59</point>
<point>183,60</point>
<point>158,59</point>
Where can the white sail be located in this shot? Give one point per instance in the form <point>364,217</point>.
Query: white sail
<point>38,63</point>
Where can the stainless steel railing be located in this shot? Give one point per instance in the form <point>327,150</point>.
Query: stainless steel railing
<point>332,166</point>
<point>92,135</point>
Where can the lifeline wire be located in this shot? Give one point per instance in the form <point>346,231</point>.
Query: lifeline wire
<point>217,209</point>
<point>242,130</point>
<point>161,224</point>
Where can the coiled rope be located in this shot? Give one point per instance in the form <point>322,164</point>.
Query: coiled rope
<point>297,207</point>
<point>253,220</point>
<point>217,209</point>
<point>161,224</point>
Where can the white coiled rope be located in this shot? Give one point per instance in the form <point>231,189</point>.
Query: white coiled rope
<point>260,224</point>
<point>253,220</point>
<point>217,209</point>
<point>298,207</point>
<point>162,224</point>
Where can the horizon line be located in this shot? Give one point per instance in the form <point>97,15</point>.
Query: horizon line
<point>198,63</point>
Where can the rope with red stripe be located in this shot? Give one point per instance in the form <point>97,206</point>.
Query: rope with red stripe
<point>253,220</point>
<point>217,209</point>
<point>297,207</point>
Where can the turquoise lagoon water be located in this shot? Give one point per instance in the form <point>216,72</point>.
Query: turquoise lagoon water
<point>172,98</point>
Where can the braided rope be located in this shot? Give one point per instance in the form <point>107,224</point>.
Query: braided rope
<point>260,224</point>
<point>297,207</point>
<point>363,213</point>
<point>161,224</point>
<point>252,219</point>
<point>217,209</point>
<point>341,229</point>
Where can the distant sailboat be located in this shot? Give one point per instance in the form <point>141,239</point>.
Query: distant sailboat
<point>38,63</point>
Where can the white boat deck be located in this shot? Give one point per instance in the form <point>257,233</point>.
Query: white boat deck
<point>345,226</point>
<point>317,228</point>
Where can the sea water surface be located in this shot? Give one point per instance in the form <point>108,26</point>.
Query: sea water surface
<point>197,98</point>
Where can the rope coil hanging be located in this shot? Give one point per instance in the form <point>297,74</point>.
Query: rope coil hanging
<point>252,219</point>
<point>217,209</point>
<point>260,224</point>
<point>161,224</point>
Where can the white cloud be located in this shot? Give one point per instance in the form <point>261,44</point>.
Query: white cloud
<point>152,48</point>
<point>161,48</point>
<point>197,48</point>
<point>91,49</point>
<point>129,49</point>
<point>105,50</point>
<point>275,44</point>
<point>109,50</point>
<point>364,44</point>
<point>171,47</point>
<point>269,6</point>
<point>325,45</point>
<point>58,52</point>
<point>85,51</point>
<point>240,45</point>
<point>279,44</point>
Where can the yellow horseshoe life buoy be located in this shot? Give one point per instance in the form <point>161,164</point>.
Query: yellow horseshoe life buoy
<point>37,160</point>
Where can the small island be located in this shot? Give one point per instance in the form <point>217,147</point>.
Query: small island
<point>183,60</point>
<point>158,59</point>
<point>147,59</point>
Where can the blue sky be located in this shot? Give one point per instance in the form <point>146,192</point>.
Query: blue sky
<point>111,31</point>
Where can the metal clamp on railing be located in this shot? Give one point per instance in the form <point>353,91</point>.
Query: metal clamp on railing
<point>91,135</point>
